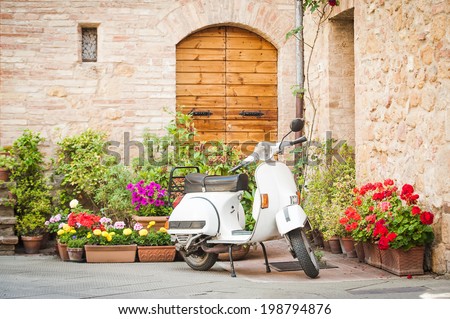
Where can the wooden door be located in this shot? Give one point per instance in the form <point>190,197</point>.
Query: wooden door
<point>227,78</point>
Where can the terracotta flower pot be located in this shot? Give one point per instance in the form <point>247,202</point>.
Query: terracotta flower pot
<point>160,221</point>
<point>32,244</point>
<point>349,247</point>
<point>156,253</point>
<point>75,254</point>
<point>62,251</point>
<point>402,263</point>
<point>110,254</point>
<point>335,245</point>
<point>4,174</point>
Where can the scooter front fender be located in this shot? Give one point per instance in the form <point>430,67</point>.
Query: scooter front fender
<point>289,218</point>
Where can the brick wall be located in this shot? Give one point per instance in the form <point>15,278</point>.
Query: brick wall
<point>46,87</point>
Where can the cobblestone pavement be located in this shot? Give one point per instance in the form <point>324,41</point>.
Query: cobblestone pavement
<point>46,276</point>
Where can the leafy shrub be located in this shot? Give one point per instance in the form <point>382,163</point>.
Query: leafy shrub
<point>31,190</point>
<point>83,163</point>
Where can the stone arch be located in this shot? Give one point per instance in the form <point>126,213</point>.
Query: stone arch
<point>262,18</point>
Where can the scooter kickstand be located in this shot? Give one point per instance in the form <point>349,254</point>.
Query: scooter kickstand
<point>230,253</point>
<point>265,257</point>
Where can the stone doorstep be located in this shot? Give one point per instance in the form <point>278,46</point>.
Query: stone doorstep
<point>8,240</point>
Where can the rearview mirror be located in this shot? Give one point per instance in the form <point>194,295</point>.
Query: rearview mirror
<point>297,125</point>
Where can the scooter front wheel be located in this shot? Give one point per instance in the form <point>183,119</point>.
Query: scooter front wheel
<point>200,260</point>
<point>304,253</point>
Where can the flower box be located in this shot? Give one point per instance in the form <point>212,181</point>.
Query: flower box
<point>110,254</point>
<point>402,263</point>
<point>372,255</point>
<point>156,253</point>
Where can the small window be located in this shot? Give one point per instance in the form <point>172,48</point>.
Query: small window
<point>89,44</point>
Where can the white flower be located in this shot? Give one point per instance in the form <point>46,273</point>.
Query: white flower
<point>119,225</point>
<point>73,203</point>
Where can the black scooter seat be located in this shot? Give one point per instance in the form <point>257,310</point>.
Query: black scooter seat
<point>197,183</point>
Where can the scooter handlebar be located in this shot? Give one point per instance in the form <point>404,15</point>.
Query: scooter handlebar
<point>236,168</point>
<point>254,157</point>
<point>299,140</point>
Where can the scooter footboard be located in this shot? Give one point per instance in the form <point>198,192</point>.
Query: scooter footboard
<point>289,218</point>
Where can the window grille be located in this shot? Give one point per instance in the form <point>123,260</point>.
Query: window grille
<point>89,44</point>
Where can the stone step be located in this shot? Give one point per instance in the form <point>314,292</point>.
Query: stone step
<point>8,241</point>
<point>6,211</point>
<point>10,220</point>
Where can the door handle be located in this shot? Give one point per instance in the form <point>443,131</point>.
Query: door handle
<point>251,113</point>
<point>200,113</point>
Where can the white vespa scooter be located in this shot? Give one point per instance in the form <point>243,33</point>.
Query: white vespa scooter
<point>210,218</point>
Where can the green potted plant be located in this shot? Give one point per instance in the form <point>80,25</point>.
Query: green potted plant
<point>394,228</point>
<point>75,248</point>
<point>30,189</point>
<point>110,243</point>
<point>329,191</point>
<point>31,228</point>
<point>150,203</point>
<point>154,245</point>
<point>112,195</point>
<point>6,165</point>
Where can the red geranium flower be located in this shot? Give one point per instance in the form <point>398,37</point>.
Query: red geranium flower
<point>383,243</point>
<point>415,210</point>
<point>391,236</point>
<point>332,2</point>
<point>426,218</point>
<point>407,189</point>
<point>388,182</point>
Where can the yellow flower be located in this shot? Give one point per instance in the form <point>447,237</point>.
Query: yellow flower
<point>105,233</point>
<point>60,232</point>
<point>97,232</point>
<point>89,235</point>
<point>66,227</point>
<point>127,231</point>
<point>151,224</point>
<point>112,233</point>
<point>73,231</point>
<point>109,237</point>
<point>163,230</point>
<point>143,232</point>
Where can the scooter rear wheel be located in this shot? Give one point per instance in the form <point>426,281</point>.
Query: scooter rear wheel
<point>304,252</point>
<point>200,260</point>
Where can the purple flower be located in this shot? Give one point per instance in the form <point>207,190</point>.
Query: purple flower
<point>138,226</point>
<point>47,223</point>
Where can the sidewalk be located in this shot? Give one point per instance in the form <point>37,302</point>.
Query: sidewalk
<point>47,277</point>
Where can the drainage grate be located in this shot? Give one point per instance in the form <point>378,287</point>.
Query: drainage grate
<point>295,266</point>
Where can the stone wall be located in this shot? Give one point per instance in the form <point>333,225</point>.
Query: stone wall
<point>401,97</point>
<point>46,87</point>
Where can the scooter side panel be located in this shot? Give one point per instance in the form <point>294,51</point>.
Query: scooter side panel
<point>194,215</point>
<point>289,218</point>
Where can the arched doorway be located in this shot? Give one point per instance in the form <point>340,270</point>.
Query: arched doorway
<point>227,78</point>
